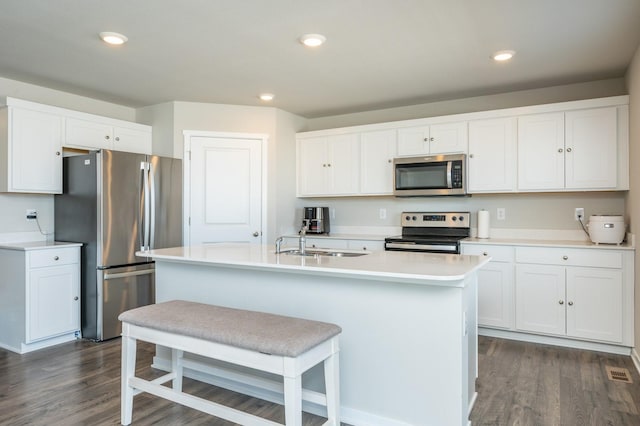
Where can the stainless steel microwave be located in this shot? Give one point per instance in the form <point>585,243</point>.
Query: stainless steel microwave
<point>429,175</point>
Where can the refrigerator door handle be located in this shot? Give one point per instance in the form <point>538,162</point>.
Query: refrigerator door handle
<point>152,204</point>
<point>147,212</point>
<point>141,204</point>
<point>108,276</point>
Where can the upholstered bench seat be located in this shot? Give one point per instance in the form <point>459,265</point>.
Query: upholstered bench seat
<point>274,343</point>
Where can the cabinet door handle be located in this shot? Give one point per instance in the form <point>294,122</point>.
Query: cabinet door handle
<point>565,257</point>
<point>561,302</point>
<point>431,139</point>
<point>329,165</point>
<point>485,253</point>
<point>570,303</point>
<point>568,149</point>
<point>75,298</point>
<point>470,155</point>
<point>426,139</point>
<point>107,137</point>
<point>389,160</point>
<point>56,258</point>
<point>117,139</point>
<point>58,153</point>
<point>255,234</point>
<point>560,150</point>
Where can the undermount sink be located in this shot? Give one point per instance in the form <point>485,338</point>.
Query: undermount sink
<point>315,252</point>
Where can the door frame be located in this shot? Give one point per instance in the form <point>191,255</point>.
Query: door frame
<point>186,184</point>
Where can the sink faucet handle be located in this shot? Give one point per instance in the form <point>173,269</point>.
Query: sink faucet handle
<point>279,241</point>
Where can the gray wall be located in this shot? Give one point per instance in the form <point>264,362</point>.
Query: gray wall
<point>633,196</point>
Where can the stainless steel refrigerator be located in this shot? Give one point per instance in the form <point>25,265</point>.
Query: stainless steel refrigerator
<point>118,203</point>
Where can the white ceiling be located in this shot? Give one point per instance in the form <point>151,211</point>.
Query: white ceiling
<point>378,54</point>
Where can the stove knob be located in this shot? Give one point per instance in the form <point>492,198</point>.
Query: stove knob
<point>408,217</point>
<point>461,218</point>
<point>414,218</point>
<point>454,218</point>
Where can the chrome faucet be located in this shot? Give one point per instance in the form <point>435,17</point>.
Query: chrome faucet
<point>279,241</point>
<point>302,240</point>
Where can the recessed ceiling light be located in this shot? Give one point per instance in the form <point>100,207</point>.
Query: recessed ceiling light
<point>113,38</point>
<point>267,97</point>
<point>503,55</point>
<point>312,40</point>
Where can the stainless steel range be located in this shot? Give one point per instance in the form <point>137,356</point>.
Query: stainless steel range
<point>434,232</point>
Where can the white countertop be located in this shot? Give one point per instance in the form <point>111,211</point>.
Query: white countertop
<point>547,243</point>
<point>414,268</point>
<point>36,245</point>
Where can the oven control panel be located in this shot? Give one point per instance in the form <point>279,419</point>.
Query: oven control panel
<point>436,219</point>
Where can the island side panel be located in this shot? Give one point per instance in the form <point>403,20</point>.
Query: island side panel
<point>404,357</point>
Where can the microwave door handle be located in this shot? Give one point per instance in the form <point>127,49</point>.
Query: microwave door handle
<point>449,166</point>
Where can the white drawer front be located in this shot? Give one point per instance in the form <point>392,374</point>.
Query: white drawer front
<point>497,253</point>
<point>569,257</point>
<point>53,257</point>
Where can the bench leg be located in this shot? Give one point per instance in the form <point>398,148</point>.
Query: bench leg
<point>128,371</point>
<point>293,401</point>
<point>332,388</point>
<point>177,368</point>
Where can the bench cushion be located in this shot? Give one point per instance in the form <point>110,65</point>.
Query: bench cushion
<point>256,331</point>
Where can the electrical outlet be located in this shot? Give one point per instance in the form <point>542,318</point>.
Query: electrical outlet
<point>578,213</point>
<point>383,213</point>
<point>32,214</point>
<point>501,213</point>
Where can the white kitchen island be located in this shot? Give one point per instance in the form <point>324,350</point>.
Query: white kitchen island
<point>409,342</point>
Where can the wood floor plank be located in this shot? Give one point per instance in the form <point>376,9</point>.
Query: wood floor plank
<point>519,383</point>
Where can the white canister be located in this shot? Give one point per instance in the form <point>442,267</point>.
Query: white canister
<point>483,224</point>
<point>606,229</point>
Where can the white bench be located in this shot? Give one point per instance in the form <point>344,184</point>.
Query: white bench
<point>273,343</point>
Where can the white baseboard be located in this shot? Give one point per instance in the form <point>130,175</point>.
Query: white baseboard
<point>556,341</point>
<point>270,390</point>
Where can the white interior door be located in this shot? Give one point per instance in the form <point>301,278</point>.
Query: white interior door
<point>225,189</point>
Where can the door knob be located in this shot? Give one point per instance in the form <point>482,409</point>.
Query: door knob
<point>255,234</point>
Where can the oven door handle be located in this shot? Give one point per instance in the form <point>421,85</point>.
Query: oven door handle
<point>419,247</point>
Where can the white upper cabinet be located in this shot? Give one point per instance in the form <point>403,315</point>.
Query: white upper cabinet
<point>541,151</point>
<point>328,165</point>
<point>30,151</point>
<point>444,138</point>
<point>491,162</point>
<point>570,150</point>
<point>591,148</point>
<point>377,150</point>
<point>108,134</point>
<point>569,146</point>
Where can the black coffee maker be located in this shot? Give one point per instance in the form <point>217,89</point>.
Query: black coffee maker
<point>316,219</point>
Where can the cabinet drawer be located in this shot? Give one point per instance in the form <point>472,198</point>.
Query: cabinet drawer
<point>569,257</point>
<point>497,253</point>
<point>53,257</point>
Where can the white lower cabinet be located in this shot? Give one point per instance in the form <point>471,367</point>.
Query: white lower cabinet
<point>40,298</point>
<point>336,243</point>
<point>54,295</point>
<point>586,301</point>
<point>583,294</point>
<point>495,286</point>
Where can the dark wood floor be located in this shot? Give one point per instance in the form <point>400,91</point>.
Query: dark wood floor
<point>529,384</point>
<point>520,384</point>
